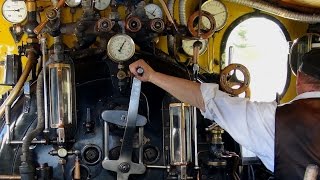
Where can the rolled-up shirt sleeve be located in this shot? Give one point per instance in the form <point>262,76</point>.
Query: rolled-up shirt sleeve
<point>251,124</point>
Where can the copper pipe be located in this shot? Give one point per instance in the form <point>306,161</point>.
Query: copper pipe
<point>17,88</point>
<point>169,16</point>
<point>10,177</point>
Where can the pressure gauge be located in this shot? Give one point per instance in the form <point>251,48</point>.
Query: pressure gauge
<point>120,47</point>
<point>153,11</point>
<point>219,12</point>
<point>101,4</point>
<point>14,11</point>
<point>187,46</point>
<point>73,3</point>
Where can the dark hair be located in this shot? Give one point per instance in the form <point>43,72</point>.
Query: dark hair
<point>311,63</point>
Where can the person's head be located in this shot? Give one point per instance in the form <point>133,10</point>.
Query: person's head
<point>308,76</point>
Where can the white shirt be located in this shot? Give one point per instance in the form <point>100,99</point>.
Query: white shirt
<point>251,124</point>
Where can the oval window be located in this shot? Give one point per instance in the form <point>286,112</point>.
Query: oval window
<point>260,44</point>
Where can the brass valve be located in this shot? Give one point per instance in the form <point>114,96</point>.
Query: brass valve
<point>216,132</point>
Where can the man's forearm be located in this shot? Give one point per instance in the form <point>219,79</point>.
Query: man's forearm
<point>184,90</point>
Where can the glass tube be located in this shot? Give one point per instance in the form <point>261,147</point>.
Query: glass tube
<point>180,134</point>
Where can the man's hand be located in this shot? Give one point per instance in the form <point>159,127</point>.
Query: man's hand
<point>147,70</point>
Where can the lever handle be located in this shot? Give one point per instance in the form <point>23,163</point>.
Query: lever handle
<point>140,71</point>
<point>39,28</point>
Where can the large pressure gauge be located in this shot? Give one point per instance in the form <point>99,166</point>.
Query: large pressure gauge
<point>187,46</point>
<point>219,12</point>
<point>101,4</point>
<point>120,48</point>
<point>14,11</point>
<point>153,11</point>
<point>73,3</point>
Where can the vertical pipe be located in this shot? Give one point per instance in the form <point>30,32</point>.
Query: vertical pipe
<point>195,137</point>
<point>43,42</point>
<point>7,115</point>
<point>141,131</point>
<point>106,142</point>
<point>196,48</point>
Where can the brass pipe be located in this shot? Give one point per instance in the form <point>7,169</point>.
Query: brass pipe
<point>17,88</point>
<point>77,174</point>
<point>10,177</point>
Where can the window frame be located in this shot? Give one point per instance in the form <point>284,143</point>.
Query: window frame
<point>245,17</point>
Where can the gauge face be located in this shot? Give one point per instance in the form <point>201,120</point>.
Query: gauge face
<point>219,12</point>
<point>187,46</point>
<point>14,11</point>
<point>120,47</point>
<point>73,3</point>
<point>153,11</point>
<point>101,4</point>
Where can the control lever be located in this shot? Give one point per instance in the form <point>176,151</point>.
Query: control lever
<point>140,71</point>
<point>124,165</point>
<point>51,13</point>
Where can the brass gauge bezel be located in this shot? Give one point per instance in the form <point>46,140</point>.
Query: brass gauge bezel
<point>8,13</point>
<point>220,17</point>
<point>120,48</point>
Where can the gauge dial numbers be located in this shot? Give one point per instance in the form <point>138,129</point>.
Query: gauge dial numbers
<point>153,11</point>
<point>120,48</point>
<point>187,46</point>
<point>73,3</point>
<point>14,11</point>
<point>101,4</point>
<point>219,12</point>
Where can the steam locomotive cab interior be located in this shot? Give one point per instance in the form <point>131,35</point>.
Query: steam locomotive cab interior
<point>71,109</point>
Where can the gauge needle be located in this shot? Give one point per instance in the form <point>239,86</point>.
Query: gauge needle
<point>122,46</point>
<point>152,13</point>
<point>219,13</point>
<point>13,10</point>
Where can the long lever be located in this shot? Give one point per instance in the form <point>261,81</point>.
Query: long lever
<point>39,28</point>
<point>124,165</point>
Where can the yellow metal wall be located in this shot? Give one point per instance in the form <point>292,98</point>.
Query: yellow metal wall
<point>295,29</point>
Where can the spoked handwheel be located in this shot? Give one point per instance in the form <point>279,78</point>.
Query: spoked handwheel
<point>228,82</point>
<point>247,92</point>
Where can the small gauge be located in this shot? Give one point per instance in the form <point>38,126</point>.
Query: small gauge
<point>219,12</point>
<point>73,3</point>
<point>120,47</point>
<point>14,11</point>
<point>153,11</point>
<point>101,4</point>
<point>187,46</point>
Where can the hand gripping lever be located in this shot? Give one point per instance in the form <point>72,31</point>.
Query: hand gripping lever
<point>124,165</point>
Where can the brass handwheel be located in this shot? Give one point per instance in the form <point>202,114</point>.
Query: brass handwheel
<point>227,81</point>
<point>203,32</point>
<point>247,92</point>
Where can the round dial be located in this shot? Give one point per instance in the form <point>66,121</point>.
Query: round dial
<point>153,11</point>
<point>73,3</point>
<point>101,4</point>
<point>187,46</point>
<point>14,11</point>
<point>120,47</point>
<point>219,12</point>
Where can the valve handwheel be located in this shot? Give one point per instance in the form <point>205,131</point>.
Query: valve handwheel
<point>227,81</point>
<point>247,92</point>
<point>193,25</point>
